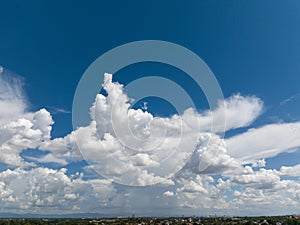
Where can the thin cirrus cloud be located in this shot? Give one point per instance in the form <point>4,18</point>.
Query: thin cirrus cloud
<point>49,158</point>
<point>265,142</point>
<point>12,101</point>
<point>238,189</point>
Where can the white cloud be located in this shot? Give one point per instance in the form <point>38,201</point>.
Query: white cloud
<point>136,148</point>
<point>240,111</point>
<point>192,187</point>
<point>19,129</point>
<point>262,179</point>
<point>49,158</point>
<point>290,170</point>
<point>42,120</point>
<point>32,191</point>
<point>236,111</point>
<point>259,163</point>
<point>22,134</point>
<point>55,110</point>
<point>289,99</point>
<point>12,101</point>
<point>210,157</point>
<point>130,145</point>
<point>264,142</point>
<point>168,193</point>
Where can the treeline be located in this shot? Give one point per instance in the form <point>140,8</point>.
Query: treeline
<point>276,220</point>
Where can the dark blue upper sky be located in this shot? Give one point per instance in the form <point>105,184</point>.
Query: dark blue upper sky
<point>253,47</point>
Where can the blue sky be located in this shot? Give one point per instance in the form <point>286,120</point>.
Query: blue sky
<point>249,47</point>
<point>253,49</point>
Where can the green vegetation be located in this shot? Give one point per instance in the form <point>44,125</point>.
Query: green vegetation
<point>276,220</point>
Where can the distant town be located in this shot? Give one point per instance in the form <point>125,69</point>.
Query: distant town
<point>263,220</point>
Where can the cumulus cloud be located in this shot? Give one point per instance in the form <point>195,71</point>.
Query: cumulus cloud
<point>22,134</point>
<point>210,157</point>
<point>42,187</point>
<point>262,179</point>
<point>131,146</point>
<point>259,163</point>
<point>290,171</point>
<point>19,129</point>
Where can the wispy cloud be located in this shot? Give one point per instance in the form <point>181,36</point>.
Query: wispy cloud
<point>289,99</point>
<point>55,110</point>
<point>49,158</point>
<point>12,99</point>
